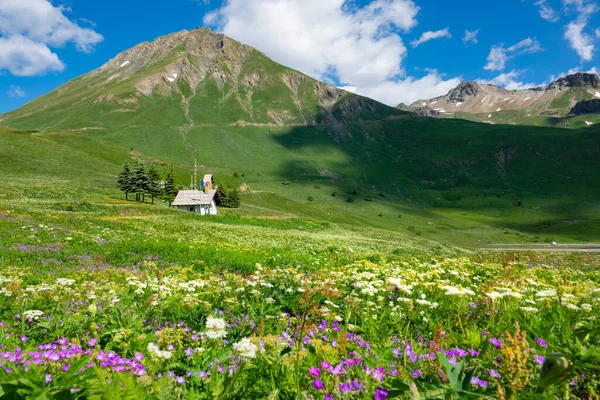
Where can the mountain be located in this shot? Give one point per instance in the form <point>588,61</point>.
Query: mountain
<point>189,78</point>
<point>298,148</point>
<point>556,99</point>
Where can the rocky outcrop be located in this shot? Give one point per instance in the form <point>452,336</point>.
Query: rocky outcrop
<point>464,91</point>
<point>424,112</point>
<point>579,79</point>
<point>586,107</point>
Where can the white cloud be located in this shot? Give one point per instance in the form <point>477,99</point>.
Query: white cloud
<point>580,41</point>
<point>430,35</point>
<point>357,47</point>
<point>470,37</point>
<point>38,25</point>
<point>582,7</point>
<point>546,11</point>
<point>24,57</point>
<point>508,81</point>
<point>499,55</point>
<point>408,90</point>
<point>15,91</point>
<point>323,37</point>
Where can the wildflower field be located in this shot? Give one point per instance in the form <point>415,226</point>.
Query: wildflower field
<point>86,312</point>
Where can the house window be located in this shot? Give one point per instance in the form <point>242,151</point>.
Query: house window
<point>191,208</point>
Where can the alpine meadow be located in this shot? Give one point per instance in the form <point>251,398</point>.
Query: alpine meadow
<point>193,220</point>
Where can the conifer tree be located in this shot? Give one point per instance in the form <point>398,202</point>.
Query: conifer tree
<point>141,181</point>
<point>125,181</point>
<point>234,198</point>
<point>169,191</point>
<point>222,196</point>
<point>153,183</point>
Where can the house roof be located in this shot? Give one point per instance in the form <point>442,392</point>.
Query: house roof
<point>194,197</point>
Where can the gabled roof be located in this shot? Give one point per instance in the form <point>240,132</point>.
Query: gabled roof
<point>194,197</point>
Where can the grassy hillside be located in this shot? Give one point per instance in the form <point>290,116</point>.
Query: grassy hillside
<point>197,95</point>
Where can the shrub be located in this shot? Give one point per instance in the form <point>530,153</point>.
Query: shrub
<point>368,198</point>
<point>236,175</point>
<point>317,187</point>
<point>310,198</point>
<point>349,200</point>
<point>285,183</point>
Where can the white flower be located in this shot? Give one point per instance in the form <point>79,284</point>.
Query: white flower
<point>494,295</point>
<point>529,309</point>
<point>586,307</point>
<point>65,282</point>
<point>34,314</point>
<point>546,293</point>
<point>245,348</point>
<point>454,291</point>
<point>156,352</point>
<point>215,328</point>
<point>572,307</point>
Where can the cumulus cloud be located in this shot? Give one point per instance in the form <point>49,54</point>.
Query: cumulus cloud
<point>574,70</point>
<point>499,54</point>
<point>509,81</point>
<point>341,42</point>
<point>15,91</point>
<point>580,41</point>
<point>546,11</point>
<point>39,25</point>
<point>409,89</point>
<point>24,57</point>
<point>470,37</point>
<point>431,35</point>
<point>582,7</point>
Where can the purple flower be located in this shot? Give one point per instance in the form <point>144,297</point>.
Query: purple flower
<point>539,359</point>
<point>345,387</point>
<point>494,374</point>
<point>48,378</point>
<point>180,380</point>
<point>329,397</point>
<point>318,384</point>
<point>380,394</point>
<point>92,342</point>
<point>541,342</point>
<point>479,382</point>
<point>188,352</point>
<point>23,338</point>
<point>496,342</point>
<point>138,357</point>
<point>473,352</point>
<point>314,371</point>
<point>65,367</point>
<point>356,385</point>
<point>416,373</point>
<point>325,365</point>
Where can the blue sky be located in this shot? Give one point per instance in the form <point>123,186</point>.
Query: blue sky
<point>368,46</point>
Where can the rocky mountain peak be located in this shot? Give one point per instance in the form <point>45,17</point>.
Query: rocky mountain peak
<point>580,79</point>
<point>464,90</point>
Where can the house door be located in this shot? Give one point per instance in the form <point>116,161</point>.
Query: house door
<point>191,208</point>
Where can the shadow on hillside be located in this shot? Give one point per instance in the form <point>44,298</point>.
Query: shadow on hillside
<point>430,163</point>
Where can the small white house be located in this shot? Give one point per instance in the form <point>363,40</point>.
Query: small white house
<point>196,201</point>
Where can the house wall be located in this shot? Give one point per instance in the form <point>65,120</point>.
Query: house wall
<point>202,210</point>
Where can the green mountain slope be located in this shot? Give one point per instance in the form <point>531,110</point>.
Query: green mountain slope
<point>202,95</point>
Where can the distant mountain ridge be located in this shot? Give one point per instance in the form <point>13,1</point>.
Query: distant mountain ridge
<point>206,78</point>
<point>555,99</point>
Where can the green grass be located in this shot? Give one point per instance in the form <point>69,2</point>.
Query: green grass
<point>446,181</point>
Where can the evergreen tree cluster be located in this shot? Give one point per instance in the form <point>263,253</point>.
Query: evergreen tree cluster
<point>228,197</point>
<point>147,182</point>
